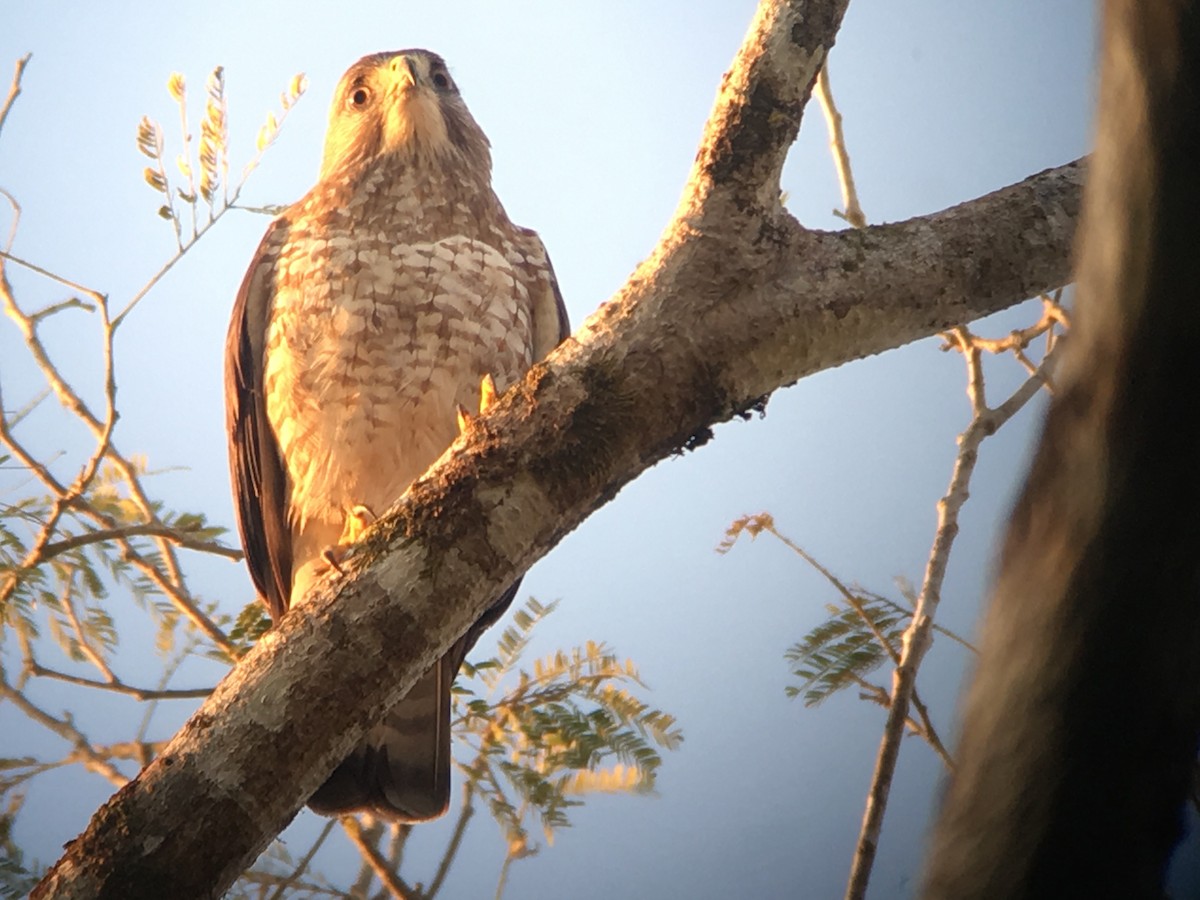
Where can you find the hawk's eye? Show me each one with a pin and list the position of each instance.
(360, 97)
(441, 80)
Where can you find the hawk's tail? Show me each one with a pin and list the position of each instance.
(401, 770)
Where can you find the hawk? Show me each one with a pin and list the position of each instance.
(375, 311)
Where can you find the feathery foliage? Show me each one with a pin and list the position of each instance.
(545, 737)
(843, 650)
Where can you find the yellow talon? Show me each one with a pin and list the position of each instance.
(487, 397)
(358, 520)
(487, 393)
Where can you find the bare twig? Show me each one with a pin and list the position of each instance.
(16, 220)
(281, 889)
(148, 529)
(371, 856)
(53, 276)
(301, 887)
(14, 89)
(83, 750)
(466, 811)
(841, 156)
(168, 673)
(918, 636)
(117, 686)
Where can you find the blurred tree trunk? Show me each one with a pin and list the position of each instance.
(1080, 729)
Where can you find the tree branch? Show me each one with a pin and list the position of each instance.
(149, 529)
(736, 301)
(117, 686)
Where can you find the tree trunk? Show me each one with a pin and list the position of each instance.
(1080, 729)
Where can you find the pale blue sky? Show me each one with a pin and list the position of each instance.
(594, 111)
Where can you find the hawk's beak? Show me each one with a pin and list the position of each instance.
(404, 71)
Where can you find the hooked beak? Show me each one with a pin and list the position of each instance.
(404, 73)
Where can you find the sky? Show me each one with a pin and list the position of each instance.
(594, 112)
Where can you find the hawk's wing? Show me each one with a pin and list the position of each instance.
(550, 324)
(259, 476)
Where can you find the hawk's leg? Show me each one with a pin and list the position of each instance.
(358, 519)
(487, 396)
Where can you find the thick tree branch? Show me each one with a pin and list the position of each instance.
(736, 301)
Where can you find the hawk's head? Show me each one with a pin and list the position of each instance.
(402, 103)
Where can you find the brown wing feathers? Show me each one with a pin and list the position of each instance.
(259, 478)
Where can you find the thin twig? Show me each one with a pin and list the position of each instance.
(14, 89)
(186, 141)
(918, 636)
(466, 811)
(117, 686)
(93, 656)
(390, 880)
(169, 577)
(906, 612)
(83, 753)
(841, 156)
(147, 529)
(53, 276)
(168, 673)
(765, 522)
(16, 220)
(182, 600)
(930, 733)
(281, 889)
(302, 887)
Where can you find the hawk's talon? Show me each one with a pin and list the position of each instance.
(358, 520)
(487, 398)
(334, 556)
(487, 393)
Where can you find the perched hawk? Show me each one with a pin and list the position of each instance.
(372, 313)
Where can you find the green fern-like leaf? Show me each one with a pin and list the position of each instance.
(844, 649)
(566, 725)
(251, 624)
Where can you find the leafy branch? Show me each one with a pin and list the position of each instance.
(78, 526)
(864, 629)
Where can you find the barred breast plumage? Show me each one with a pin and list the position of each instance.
(375, 338)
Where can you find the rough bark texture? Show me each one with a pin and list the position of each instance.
(737, 300)
(1080, 729)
